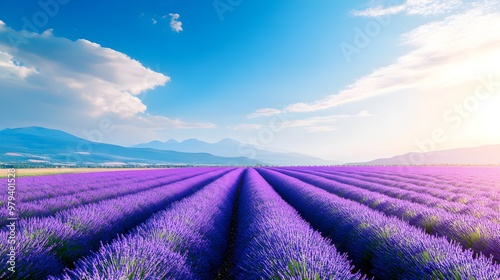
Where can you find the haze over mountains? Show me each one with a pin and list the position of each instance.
(232, 148)
(37, 145)
(484, 155)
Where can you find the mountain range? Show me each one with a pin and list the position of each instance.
(232, 148)
(38, 145)
(42, 146)
(484, 155)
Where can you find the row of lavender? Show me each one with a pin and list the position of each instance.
(477, 203)
(274, 242)
(45, 195)
(471, 180)
(382, 246)
(181, 242)
(475, 192)
(47, 244)
(480, 234)
(184, 241)
(91, 193)
(463, 195)
(262, 240)
(189, 239)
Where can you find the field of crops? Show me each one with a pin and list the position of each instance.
(262, 223)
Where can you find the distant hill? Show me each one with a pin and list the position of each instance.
(42, 145)
(232, 148)
(485, 155)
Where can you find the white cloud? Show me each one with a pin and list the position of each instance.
(446, 52)
(60, 83)
(154, 21)
(364, 114)
(2, 24)
(13, 154)
(380, 11)
(246, 126)
(106, 79)
(313, 124)
(48, 32)
(175, 24)
(266, 112)
(320, 129)
(11, 68)
(412, 7)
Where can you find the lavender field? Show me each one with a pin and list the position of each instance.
(257, 223)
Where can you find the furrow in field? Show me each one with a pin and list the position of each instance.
(481, 178)
(185, 241)
(455, 185)
(471, 199)
(47, 245)
(51, 206)
(480, 235)
(417, 197)
(274, 242)
(386, 246)
(58, 185)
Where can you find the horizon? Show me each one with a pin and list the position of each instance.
(163, 142)
(408, 159)
(351, 81)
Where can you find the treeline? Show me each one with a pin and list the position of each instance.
(45, 165)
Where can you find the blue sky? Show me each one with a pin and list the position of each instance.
(343, 80)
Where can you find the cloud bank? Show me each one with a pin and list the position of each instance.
(55, 82)
(412, 7)
(451, 51)
(312, 124)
